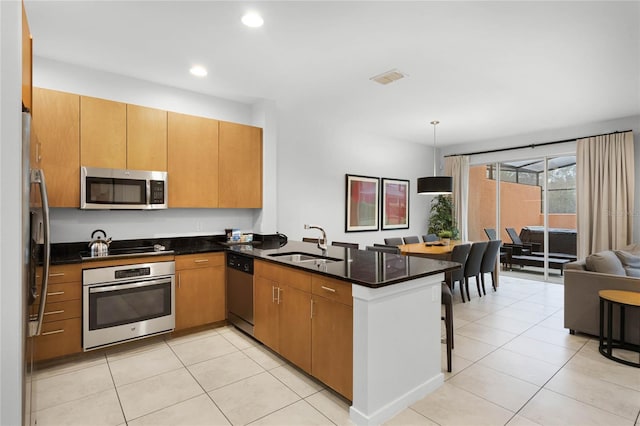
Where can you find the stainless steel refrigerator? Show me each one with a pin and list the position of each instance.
(36, 255)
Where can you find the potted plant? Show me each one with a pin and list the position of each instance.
(441, 221)
(445, 237)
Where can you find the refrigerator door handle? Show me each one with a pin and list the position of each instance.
(37, 177)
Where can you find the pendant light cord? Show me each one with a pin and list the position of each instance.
(434, 123)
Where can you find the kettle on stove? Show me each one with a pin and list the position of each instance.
(98, 246)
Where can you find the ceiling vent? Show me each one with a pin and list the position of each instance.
(388, 77)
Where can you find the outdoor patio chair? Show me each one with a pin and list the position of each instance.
(491, 233)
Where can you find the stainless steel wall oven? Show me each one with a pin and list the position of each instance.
(121, 303)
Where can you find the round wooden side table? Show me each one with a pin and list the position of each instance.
(623, 299)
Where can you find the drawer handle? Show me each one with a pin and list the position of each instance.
(55, 293)
(332, 290)
(201, 260)
(54, 312)
(46, 333)
(58, 274)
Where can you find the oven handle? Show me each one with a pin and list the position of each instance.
(116, 287)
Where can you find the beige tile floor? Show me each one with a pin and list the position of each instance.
(513, 364)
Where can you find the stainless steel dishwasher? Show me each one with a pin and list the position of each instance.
(240, 291)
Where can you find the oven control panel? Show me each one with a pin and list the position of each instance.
(134, 272)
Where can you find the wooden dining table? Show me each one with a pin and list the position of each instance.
(433, 251)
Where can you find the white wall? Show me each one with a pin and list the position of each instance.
(550, 135)
(313, 158)
(69, 225)
(11, 326)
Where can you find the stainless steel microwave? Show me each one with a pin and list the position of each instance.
(118, 189)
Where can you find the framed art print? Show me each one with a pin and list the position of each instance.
(362, 209)
(395, 204)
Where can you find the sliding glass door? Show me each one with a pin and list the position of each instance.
(531, 204)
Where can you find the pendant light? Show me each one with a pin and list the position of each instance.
(435, 184)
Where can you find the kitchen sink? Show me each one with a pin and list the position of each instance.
(299, 257)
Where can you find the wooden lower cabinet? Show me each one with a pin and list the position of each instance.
(62, 324)
(308, 319)
(332, 345)
(295, 326)
(200, 289)
(266, 311)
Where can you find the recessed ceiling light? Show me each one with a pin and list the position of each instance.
(198, 71)
(252, 20)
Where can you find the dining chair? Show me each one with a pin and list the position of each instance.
(395, 241)
(488, 264)
(458, 254)
(384, 249)
(447, 301)
(347, 245)
(472, 266)
(429, 238)
(411, 239)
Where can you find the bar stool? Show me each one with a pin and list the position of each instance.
(447, 301)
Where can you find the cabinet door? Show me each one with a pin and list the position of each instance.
(55, 144)
(332, 343)
(146, 138)
(295, 326)
(192, 161)
(103, 133)
(200, 295)
(266, 312)
(240, 166)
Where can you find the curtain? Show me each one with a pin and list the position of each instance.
(458, 167)
(605, 188)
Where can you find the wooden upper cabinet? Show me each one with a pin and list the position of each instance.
(240, 166)
(55, 144)
(192, 161)
(146, 138)
(27, 62)
(103, 133)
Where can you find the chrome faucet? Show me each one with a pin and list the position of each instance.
(322, 244)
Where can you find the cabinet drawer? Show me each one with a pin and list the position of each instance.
(294, 278)
(267, 270)
(202, 260)
(62, 292)
(59, 338)
(61, 273)
(57, 311)
(338, 291)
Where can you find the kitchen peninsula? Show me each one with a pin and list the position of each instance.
(396, 320)
(367, 324)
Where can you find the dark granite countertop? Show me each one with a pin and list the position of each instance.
(62, 253)
(367, 268)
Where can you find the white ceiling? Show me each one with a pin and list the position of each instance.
(484, 69)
